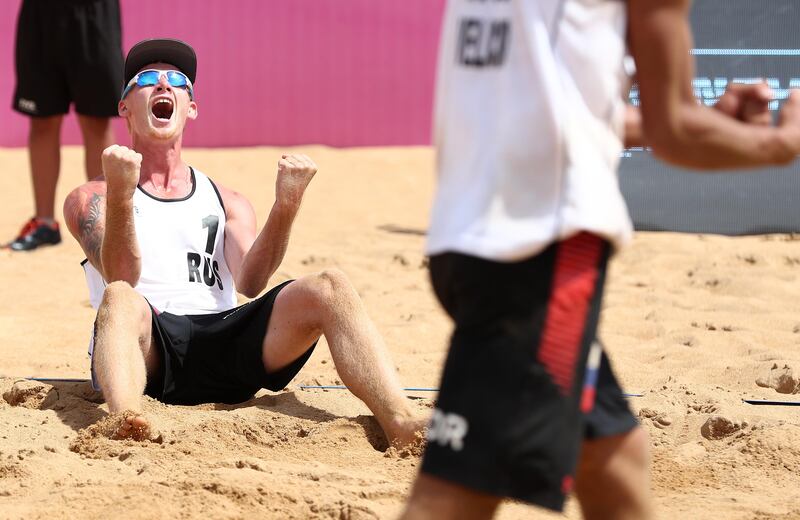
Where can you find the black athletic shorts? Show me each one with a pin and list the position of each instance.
(516, 397)
(217, 358)
(68, 51)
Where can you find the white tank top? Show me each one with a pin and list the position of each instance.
(181, 243)
(528, 126)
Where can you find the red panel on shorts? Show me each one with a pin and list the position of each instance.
(574, 279)
(587, 398)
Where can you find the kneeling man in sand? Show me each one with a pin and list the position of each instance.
(167, 251)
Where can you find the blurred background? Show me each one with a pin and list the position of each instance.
(735, 41)
(281, 72)
(361, 73)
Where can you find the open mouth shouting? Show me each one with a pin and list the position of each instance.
(162, 109)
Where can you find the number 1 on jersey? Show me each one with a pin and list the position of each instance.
(212, 223)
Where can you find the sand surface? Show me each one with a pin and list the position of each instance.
(692, 322)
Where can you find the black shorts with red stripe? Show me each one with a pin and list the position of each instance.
(525, 381)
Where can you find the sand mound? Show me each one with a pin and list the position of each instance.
(31, 394)
(782, 380)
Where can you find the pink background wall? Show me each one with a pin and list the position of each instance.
(282, 72)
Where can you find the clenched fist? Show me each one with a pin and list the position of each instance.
(295, 171)
(748, 103)
(121, 168)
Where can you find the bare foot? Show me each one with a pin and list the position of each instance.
(407, 433)
(132, 425)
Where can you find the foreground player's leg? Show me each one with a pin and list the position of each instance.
(326, 303)
(124, 354)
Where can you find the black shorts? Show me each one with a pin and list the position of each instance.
(68, 51)
(516, 398)
(217, 358)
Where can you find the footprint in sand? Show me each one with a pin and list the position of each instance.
(313, 260)
(400, 259)
(687, 341)
(659, 419)
(718, 427)
(704, 407)
(748, 259)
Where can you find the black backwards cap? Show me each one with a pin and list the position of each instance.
(161, 50)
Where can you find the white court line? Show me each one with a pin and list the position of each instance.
(745, 52)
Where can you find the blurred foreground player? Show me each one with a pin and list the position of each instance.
(530, 122)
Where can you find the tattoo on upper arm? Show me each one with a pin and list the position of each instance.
(91, 224)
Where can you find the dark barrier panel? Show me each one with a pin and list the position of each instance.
(735, 40)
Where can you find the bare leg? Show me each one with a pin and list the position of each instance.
(44, 151)
(620, 463)
(98, 134)
(436, 499)
(328, 304)
(124, 353)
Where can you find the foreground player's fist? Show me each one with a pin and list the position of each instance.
(295, 171)
(121, 168)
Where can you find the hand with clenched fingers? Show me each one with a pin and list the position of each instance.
(121, 167)
(295, 172)
(749, 103)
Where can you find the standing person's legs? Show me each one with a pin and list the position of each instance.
(98, 134)
(124, 353)
(44, 151)
(41, 93)
(326, 303)
(95, 75)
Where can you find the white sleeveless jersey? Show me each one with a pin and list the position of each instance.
(528, 125)
(181, 243)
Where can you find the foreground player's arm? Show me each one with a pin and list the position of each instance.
(99, 215)
(119, 252)
(748, 103)
(678, 128)
(85, 215)
(253, 261)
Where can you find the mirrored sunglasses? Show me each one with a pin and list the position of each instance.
(151, 77)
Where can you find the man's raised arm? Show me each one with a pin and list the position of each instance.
(120, 252)
(678, 128)
(252, 263)
(100, 217)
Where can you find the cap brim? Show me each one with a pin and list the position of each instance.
(163, 50)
